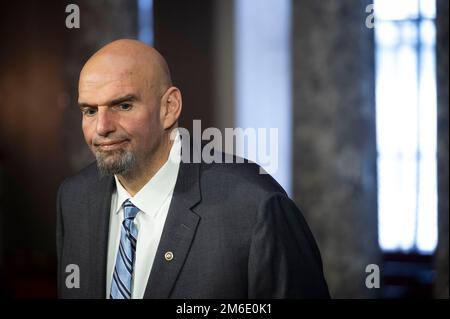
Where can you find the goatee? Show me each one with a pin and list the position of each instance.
(117, 162)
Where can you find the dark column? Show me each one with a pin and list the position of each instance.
(441, 289)
(334, 138)
(184, 34)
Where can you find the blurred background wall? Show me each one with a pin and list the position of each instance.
(331, 123)
(31, 151)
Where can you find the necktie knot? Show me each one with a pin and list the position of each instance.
(130, 211)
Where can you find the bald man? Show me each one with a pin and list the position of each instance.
(141, 223)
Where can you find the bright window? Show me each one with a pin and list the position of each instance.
(406, 110)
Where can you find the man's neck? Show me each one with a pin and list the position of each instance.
(135, 180)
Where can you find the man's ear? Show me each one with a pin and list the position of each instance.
(171, 104)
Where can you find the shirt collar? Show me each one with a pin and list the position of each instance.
(153, 194)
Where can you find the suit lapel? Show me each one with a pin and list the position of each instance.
(178, 233)
(99, 211)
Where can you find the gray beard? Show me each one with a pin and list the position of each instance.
(120, 162)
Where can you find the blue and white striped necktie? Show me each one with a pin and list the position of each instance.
(121, 286)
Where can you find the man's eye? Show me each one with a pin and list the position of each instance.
(89, 111)
(125, 106)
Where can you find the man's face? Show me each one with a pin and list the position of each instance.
(120, 117)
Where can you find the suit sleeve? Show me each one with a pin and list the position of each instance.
(59, 237)
(284, 260)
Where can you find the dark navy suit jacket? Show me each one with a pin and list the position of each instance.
(234, 233)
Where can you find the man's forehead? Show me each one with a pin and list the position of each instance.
(103, 92)
(109, 75)
(105, 76)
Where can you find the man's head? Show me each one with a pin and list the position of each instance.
(128, 105)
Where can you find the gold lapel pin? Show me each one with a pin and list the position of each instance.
(168, 256)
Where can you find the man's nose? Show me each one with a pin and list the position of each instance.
(105, 122)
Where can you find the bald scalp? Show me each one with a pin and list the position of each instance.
(130, 57)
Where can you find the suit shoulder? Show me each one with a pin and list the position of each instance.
(84, 177)
(240, 175)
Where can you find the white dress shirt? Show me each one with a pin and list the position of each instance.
(153, 202)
